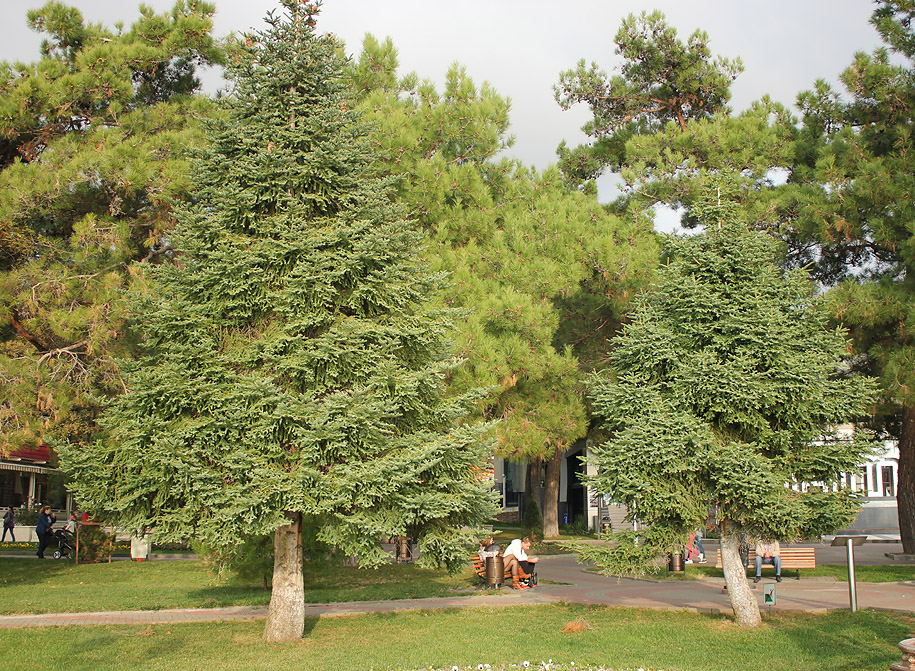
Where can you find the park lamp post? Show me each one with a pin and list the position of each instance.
(849, 541)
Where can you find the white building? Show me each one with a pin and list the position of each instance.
(876, 481)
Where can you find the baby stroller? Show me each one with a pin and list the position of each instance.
(66, 543)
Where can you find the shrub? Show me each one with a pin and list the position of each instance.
(95, 543)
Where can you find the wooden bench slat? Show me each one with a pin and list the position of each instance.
(792, 558)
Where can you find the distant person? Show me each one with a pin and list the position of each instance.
(518, 563)
(9, 523)
(694, 555)
(46, 520)
(489, 548)
(689, 549)
(768, 552)
(71, 524)
(698, 545)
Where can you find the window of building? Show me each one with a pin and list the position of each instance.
(887, 473)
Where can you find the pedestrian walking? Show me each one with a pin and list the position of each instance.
(46, 520)
(9, 523)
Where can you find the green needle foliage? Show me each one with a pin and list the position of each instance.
(721, 391)
(92, 142)
(851, 204)
(544, 272)
(294, 359)
(663, 81)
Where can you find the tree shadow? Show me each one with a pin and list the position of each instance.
(845, 641)
(32, 570)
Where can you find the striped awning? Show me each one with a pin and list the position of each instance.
(25, 468)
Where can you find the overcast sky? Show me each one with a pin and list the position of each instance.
(520, 46)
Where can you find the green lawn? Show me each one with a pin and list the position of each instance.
(50, 586)
(620, 638)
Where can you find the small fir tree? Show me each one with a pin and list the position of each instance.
(294, 361)
(720, 392)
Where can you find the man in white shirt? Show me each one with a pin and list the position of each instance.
(517, 561)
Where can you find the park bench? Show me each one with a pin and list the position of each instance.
(479, 567)
(792, 558)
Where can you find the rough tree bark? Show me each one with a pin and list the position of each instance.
(905, 490)
(743, 602)
(551, 495)
(286, 614)
(534, 479)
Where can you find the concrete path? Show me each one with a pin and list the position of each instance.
(566, 581)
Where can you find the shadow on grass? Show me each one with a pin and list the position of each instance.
(845, 641)
(32, 571)
(329, 583)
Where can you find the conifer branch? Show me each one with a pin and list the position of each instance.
(40, 346)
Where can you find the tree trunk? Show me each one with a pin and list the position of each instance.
(535, 489)
(551, 495)
(743, 601)
(286, 615)
(905, 489)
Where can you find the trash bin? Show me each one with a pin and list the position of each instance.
(139, 548)
(495, 570)
(675, 561)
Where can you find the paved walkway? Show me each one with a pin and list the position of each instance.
(566, 581)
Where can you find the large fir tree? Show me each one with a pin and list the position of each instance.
(294, 362)
(721, 391)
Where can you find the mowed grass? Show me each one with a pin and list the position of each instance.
(50, 586)
(619, 638)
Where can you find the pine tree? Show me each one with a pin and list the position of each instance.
(544, 272)
(663, 81)
(294, 360)
(92, 142)
(850, 204)
(720, 391)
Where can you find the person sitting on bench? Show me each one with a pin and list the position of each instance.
(768, 552)
(518, 563)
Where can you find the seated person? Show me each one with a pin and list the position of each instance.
(768, 552)
(518, 563)
(489, 548)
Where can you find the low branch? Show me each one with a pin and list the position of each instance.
(40, 346)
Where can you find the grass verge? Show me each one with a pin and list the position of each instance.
(618, 638)
(58, 586)
(863, 573)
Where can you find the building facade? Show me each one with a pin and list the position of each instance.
(28, 478)
(876, 482)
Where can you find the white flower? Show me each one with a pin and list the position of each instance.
(525, 663)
